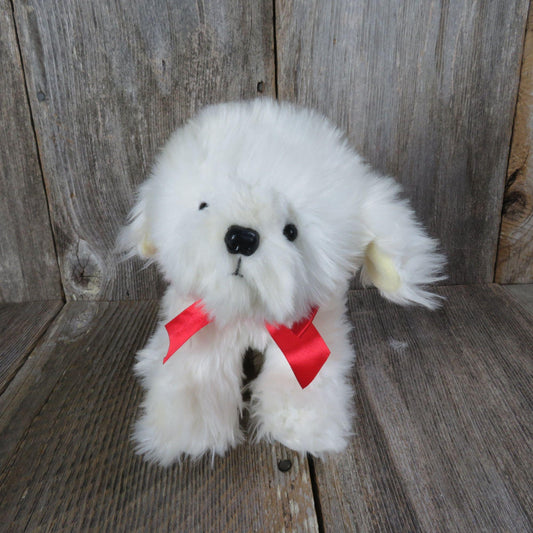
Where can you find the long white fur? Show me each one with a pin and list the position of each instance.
(262, 165)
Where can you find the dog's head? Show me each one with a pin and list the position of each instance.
(261, 210)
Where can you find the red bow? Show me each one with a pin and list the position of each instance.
(302, 345)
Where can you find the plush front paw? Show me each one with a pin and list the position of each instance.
(316, 420)
(181, 423)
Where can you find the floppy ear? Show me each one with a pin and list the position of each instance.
(134, 238)
(400, 259)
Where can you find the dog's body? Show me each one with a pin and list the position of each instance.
(261, 211)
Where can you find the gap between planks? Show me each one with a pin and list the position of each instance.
(21, 327)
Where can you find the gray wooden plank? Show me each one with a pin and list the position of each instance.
(515, 247)
(523, 294)
(444, 434)
(36, 379)
(426, 92)
(108, 82)
(73, 467)
(21, 326)
(28, 265)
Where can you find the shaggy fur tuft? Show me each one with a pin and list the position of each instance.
(263, 166)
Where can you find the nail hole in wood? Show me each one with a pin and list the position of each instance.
(285, 465)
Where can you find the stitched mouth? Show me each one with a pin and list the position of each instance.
(237, 270)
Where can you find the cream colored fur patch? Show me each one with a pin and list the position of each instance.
(381, 269)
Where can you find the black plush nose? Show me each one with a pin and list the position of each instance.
(241, 240)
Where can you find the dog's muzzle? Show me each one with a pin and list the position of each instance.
(239, 240)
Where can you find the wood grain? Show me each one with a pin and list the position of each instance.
(21, 326)
(28, 266)
(444, 434)
(73, 467)
(515, 248)
(523, 294)
(108, 83)
(426, 92)
(36, 379)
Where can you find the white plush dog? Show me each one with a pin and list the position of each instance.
(260, 213)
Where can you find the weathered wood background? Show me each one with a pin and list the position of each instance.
(515, 251)
(28, 266)
(426, 91)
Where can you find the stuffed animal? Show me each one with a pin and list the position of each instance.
(258, 215)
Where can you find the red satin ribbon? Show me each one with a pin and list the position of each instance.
(302, 345)
(184, 326)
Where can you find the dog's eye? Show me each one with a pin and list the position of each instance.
(290, 232)
(203, 205)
